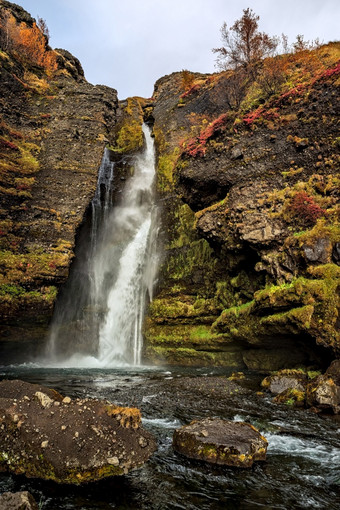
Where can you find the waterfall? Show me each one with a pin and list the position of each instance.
(98, 319)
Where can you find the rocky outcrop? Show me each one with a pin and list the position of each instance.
(17, 501)
(251, 271)
(223, 442)
(54, 126)
(323, 393)
(45, 435)
(305, 388)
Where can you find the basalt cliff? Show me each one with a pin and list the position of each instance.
(248, 186)
(54, 126)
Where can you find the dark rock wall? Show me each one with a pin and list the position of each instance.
(53, 132)
(250, 223)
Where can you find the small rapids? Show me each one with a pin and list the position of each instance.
(302, 470)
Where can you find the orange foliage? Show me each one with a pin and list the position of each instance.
(29, 43)
(187, 79)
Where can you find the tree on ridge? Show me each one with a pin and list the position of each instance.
(243, 44)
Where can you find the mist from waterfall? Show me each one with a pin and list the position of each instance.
(98, 320)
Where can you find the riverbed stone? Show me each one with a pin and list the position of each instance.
(220, 441)
(285, 380)
(323, 393)
(17, 501)
(60, 443)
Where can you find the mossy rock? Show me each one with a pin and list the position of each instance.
(291, 396)
(192, 357)
(217, 441)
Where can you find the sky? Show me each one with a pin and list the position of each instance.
(129, 44)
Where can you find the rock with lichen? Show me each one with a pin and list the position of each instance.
(44, 435)
(17, 501)
(285, 380)
(223, 442)
(323, 392)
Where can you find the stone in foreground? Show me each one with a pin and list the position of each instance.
(44, 435)
(17, 501)
(221, 442)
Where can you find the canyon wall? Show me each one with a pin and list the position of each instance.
(247, 184)
(54, 126)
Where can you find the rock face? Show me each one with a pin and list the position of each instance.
(221, 442)
(45, 435)
(17, 501)
(251, 273)
(54, 126)
(247, 184)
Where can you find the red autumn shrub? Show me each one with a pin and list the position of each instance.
(197, 146)
(192, 89)
(304, 207)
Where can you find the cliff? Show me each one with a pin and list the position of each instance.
(248, 178)
(247, 183)
(53, 129)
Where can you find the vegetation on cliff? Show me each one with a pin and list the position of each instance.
(53, 128)
(257, 156)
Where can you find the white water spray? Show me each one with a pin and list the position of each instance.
(121, 269)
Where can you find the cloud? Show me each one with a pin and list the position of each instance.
(129, 44)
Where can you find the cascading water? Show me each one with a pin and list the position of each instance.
(98, 321)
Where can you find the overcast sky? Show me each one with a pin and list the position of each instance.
(129, 44)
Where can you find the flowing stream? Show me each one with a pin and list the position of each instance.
(98, 320)
(302, 470)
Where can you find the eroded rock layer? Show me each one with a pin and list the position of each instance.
(53, 129)
(249, 191)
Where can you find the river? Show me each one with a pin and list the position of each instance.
(302, 470)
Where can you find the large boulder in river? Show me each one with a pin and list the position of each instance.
(44, 435)
(17, 501)
(221, 442)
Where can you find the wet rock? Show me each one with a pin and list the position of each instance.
(76, 441)
(336, 253)
(285, 380)
(323, 392)
(221, 442)
(17, 501)
(320, 251)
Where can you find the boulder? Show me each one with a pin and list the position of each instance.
(320, 251)
(323, 393)
(44, 435)
(285, 380)
(334, 371)
(221, 442)
(17, 501)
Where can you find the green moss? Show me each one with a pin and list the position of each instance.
(183, 232)
(174, 308)
(165, 170)
(291, 397)
(308, 306)
(198, 255)
(130, 137)
(193, 357)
